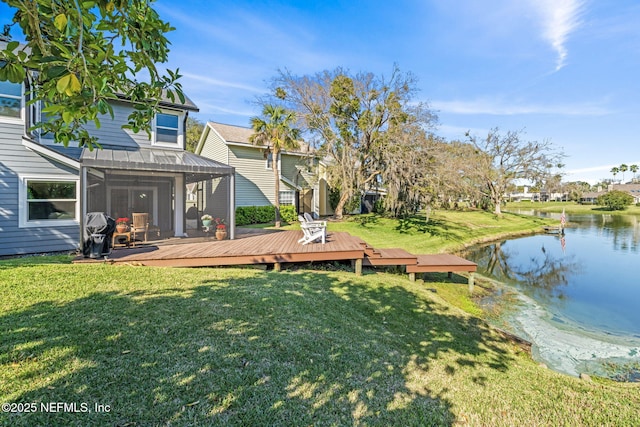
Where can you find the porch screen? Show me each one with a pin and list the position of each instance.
(51, 200)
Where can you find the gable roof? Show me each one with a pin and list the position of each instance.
(239, 135)
(232, 133)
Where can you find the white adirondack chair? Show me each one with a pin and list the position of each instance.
(312, 231)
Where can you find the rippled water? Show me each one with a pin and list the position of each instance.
(580, 291)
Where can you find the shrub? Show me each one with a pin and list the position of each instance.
(615, 200)
(246, 215)
(288, 213)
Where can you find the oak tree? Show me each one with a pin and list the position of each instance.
(350, 115)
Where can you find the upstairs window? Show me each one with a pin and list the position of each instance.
(168, 129)
(10, 100)
(39, 116)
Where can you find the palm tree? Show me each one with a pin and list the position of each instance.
(615, 171)
(633, 169)
(623, 168)
(275, 131)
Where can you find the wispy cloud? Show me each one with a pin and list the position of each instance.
(222, 83)
(499, 108)
(559, 18)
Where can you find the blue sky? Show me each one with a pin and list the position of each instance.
(567, 71)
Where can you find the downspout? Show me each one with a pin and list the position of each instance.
(83, 204)
(184, 131)
(232, 205)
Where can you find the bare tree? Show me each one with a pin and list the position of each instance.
(507, 158)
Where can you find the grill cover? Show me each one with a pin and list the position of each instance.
(97, 234)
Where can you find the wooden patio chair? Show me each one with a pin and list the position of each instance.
(312, 231)
(140, 224)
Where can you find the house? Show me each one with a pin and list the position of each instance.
(302, 181)
(632, 189)
(592, 197)
(47, 189)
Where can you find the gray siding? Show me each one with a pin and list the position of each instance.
(111, 132)
(15, 161)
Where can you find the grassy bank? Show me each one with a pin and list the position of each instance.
(446, 231)
(570, 208)
(242, 347)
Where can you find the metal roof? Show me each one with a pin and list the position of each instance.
(152, 159)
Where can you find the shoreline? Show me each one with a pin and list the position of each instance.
(565, 346)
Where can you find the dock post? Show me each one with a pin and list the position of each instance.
(412, 277)
(471, 281)
(277, 266)
(358, 266)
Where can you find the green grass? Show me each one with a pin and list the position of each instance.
(446, 231)
(570, 208)
(244, 347)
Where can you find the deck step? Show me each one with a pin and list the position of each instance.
(394, 256)
(441, 263)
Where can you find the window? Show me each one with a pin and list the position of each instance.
(48, 202)
(287, 197)
(10, 100)
(168, 129)
(38, 116)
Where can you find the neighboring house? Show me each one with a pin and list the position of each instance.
(632, 189)
(46, 189)
(592, 197)
(536, 196)
(302, 181)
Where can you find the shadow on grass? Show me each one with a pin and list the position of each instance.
(263, 349)
(434, 227)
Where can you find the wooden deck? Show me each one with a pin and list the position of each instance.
(281, 247)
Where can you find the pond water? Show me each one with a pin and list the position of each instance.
(579, 293)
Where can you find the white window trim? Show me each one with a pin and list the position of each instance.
(180, 141)
(15, 120)
(23, 209)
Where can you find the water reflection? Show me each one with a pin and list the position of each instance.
(581, 293)
(622, 230)
(542, 274)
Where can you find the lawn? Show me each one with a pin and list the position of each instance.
(128, 345)
(570, 208)
(241, 347)
(446, 231)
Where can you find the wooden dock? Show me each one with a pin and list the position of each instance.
(281, 247)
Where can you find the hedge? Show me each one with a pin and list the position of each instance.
(246, 215)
